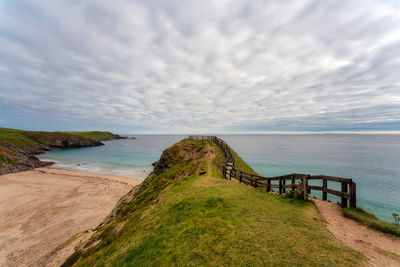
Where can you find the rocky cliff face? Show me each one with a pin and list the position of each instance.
(23, 158)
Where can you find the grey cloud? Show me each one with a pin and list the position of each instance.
(157, 65)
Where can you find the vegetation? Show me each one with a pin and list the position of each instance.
(396, 218)
(242, 165)
(13, 142)
(186, 214)
(370, 220)
(16, 137)
(95, 135)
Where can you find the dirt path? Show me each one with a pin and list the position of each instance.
(42, 208)
(379, 249)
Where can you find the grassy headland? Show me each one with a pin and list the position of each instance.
(186, 214)
(96, 135)
(17, 147)
(370, 220)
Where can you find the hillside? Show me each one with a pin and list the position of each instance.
(18, 147)
(185, 213)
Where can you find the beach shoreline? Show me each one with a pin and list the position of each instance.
(44, 207)
(90, 168)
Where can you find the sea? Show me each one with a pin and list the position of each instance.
(372, 161)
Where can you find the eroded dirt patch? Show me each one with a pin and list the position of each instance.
(380, 249)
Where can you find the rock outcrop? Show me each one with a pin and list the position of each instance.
(22, 157)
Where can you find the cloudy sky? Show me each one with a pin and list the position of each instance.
(157, 66)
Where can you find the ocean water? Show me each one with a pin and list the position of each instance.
(125, 157)
(372, 161)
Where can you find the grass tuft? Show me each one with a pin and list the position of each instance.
(370, 220)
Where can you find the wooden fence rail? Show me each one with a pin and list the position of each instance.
(301, 183)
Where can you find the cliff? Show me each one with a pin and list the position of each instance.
(18, 148)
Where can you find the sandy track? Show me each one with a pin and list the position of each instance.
(378, 248)
(43, 208)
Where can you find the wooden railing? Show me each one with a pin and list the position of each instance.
(300, 183)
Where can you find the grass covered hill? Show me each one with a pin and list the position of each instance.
(185, 213)
(18, 147)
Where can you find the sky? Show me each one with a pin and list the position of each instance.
(200, 66)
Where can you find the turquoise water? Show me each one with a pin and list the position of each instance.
(126, 157)
(372, 161)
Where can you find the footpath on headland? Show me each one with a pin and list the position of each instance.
(380, 249)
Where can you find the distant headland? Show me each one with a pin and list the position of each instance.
(18, 148)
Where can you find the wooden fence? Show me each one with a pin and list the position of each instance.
(300, 183)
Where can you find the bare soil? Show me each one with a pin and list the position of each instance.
(379, 249)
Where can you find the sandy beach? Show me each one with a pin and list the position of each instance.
(42, 208)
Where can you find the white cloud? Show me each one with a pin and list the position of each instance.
(271, 65)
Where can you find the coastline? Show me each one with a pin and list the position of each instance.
(42, 208)
(19, 149)
(98, 169)
(138, 176)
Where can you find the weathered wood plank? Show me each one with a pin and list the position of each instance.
(305, 188)
(353, 195)
(293, 184)
(337, 193)
(324, 187)
(331, 178)
(344, 200)
(313, 187)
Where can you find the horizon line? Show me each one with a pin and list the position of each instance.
(204, 132)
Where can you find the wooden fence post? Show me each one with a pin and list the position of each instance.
(353, 201)
(283, 185)
(230, 173)
(324, 187)
(255, 183)
(293, 184)
(305, 188)
(240, 177)
(344, 200)
(280, 186)
(268, 185)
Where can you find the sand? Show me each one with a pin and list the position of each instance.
(379, 249)
(43, 208)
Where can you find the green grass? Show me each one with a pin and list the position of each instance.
(11, 140)
(370, 220)
(242, 165)
(96, 135)
(16, 137)
(183, 218)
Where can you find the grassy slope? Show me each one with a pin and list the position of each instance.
(23, 139)
(241, 164)
(370, 220)
(182, 218)
(96, 135)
